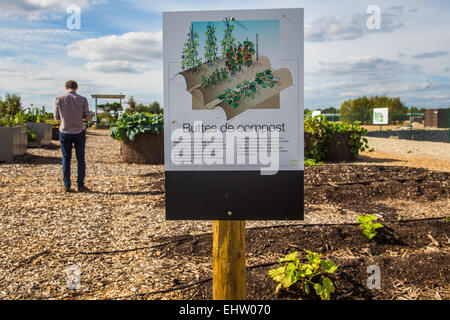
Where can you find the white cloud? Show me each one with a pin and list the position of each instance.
(351, 27)
(38, 9)
(116, 66)
(368, 67)
(132, 46)
(433, 54)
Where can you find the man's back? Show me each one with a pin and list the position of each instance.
(71, 109)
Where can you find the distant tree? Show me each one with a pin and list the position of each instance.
(210, 44)
(153, 108)
(361, 109)
(329, 110)
(131, 105)
(190, 53)
(11, 105)
(111, 111)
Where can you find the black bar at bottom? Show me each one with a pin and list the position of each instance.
(234, 195)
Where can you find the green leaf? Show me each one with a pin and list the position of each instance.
(292, 257)
(328, 266)
(307, 291)
(325, 289)
(277, 274)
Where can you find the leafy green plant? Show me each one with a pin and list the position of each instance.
(31, 136)
(369, 228)
(130, 126)
(310, 274)
(311, 162)
(324, 132)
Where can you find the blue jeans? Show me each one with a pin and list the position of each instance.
(79, 141)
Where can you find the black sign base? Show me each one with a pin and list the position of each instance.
(234, 195)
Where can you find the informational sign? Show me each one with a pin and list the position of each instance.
(380, 115)
(233, 110)
(316, 113)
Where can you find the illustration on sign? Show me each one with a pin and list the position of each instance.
(239, 79)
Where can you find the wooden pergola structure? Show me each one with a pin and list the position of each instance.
(106, 96)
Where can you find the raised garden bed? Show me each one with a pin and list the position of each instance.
(43, 131)
(13, 142)
(141, 136)
(340, 150)
(147, 148)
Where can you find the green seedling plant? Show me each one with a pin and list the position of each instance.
(369, 228)
(310, 274)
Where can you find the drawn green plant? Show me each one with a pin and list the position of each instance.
(369, 228)
(238, 56)
(228, 38)
(310, 274)
(210, 43)
(217, 76)
(189, 56)
(248, 88)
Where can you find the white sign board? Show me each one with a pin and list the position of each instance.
(316, 113)
(380, 115)
(233, 90)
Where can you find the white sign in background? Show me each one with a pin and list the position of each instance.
(380, 115)
(178, 111)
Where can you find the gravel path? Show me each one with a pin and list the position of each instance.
(411, 148)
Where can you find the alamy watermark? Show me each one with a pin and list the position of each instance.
(73, 277)
(374, 20)
(73, 22)
(374, 280)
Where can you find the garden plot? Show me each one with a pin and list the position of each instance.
(119, 238)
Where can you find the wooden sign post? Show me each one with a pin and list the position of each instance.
(229, 270)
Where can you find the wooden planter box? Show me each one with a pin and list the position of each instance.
(147, 148)
(43, 131)
(13, 142)
(55, 133)
(340, 150)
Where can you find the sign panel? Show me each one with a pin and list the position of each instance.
(380, 115)
(233, 108)
(316, 113)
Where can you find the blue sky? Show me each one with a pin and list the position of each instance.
(118, 48)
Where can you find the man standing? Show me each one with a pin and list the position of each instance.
(71, 109)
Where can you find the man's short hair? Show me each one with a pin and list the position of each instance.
(71, 85)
